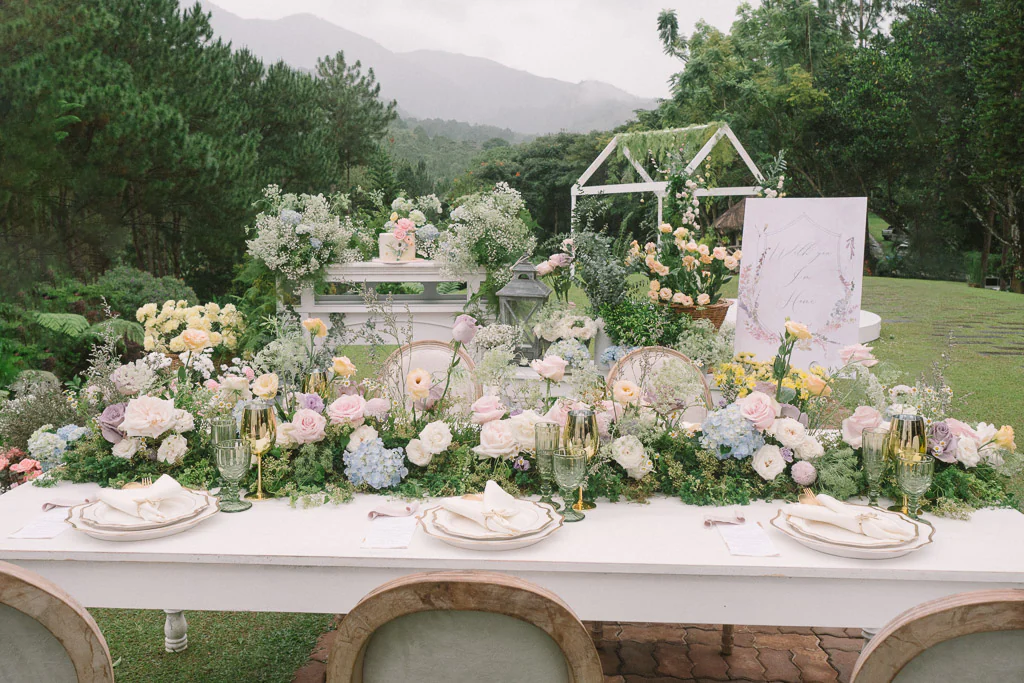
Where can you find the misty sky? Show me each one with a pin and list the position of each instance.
(615, 41)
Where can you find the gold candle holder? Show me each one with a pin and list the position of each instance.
(259, 430)
(581, 435)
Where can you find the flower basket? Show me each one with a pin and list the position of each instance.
(713, 312)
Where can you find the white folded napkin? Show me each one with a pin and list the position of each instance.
(393, 509)
(855, 518)
(494, 511)
(143, 502)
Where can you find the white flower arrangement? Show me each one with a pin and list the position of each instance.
(299, 236)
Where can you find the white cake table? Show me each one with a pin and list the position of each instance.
(625, 562)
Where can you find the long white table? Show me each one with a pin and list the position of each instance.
(625, 562)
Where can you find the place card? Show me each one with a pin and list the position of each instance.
(749, 540)
(50, 524)
(390, 533)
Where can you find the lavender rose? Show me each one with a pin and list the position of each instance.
(943, 442)
(464, 329)
(109, 421)
(310, 402)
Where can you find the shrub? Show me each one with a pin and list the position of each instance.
(643, 323)
(127, 289)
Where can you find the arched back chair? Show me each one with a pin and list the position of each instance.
(647, 365)
(45, 635)
(434, 357)
(462, 627)
(976, 637)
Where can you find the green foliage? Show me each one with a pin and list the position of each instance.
(643, 323)
(127, 289)
(840, 474)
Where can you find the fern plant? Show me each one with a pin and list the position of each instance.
(78, 327)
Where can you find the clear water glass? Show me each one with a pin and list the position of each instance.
(873, 453)
(223, 428)
(233, 462)
(914, 474)
(570, 471)
(547, 436)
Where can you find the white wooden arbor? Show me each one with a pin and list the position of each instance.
(660, 188)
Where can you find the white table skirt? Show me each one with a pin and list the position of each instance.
(625, 562)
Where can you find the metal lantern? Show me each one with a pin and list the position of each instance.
(519, 301)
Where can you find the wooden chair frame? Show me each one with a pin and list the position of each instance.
(396, 357)
(934, 622)
(61, 615)
(613, 374)
(462, 591)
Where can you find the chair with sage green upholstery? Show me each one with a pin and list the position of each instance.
(462, 627)
(976, 637)
(45, 635)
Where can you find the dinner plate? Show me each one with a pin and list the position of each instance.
(924, 537)
(829, 533)
(426, 521)
(184, 506)
(74, 518)
(531, 518)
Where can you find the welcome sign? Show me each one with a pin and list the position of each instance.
(803, 260)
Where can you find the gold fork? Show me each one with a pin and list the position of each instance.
(146, 481)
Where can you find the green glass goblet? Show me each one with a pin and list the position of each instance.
(873, 453)
(570, 470)
(233, 462)
(223, 428)
(547, 436)
(914, 475)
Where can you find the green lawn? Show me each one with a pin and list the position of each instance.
(981, 331)
(876, 224)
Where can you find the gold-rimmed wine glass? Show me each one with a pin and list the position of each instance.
(259, 430)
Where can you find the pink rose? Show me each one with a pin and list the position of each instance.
(349, 409)
(249, 373)
(26, 465)
(858, 353)
(487, 409)
(559, 412)
(961, 430)
(865, 417)
(148, 416)
(212, 384)
(307, 426)
(703, 300)
(399, 234)
(761, 409)
(609, 412)
(464, 329)
(551, 368)
(544, 268)
(559, 260)
(406, 225)
(376, 407)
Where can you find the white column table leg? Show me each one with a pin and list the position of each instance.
(175, 631)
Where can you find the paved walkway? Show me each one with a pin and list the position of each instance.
(677, 653)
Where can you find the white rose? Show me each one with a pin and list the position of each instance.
(788, 431)
(523, 429)
(359, 435)
(967, 452)
(148, 416)
(172, 450)
(496, 441)
(768, 462)
(235, 388)
(125, 448)
(418, 453)
(808, 449)
(183, 421)
(436, 437)
(629, 452)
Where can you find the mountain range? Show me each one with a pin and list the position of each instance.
(431, 84)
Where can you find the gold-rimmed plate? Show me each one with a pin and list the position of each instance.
(536, 515)
(186, 505)
(427, 524)
(829, 533)
(925, 536)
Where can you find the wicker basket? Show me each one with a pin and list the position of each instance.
(715, 312)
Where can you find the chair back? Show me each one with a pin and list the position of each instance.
(665, 377)
(462, 627)
(45, 635)
(976, 637)
(434, 357)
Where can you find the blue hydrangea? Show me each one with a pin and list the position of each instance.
(71, 433)
(289, 216)
(614, 353)
(374, 465)
(316, 244)
(572, 351)
(726, 433)
(427, 234)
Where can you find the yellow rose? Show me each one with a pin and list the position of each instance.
(394, 216)
(665, 228)
(1004, 438)
(265, 386)
(230, 340)
(228, 308)
(817, 386)
(181, 304)
(212, 308)
(149, 343)
(625, 391)
(315, 326)
(216, 339)
(177, 345)
(147, 311)
(417, 384)
(343, 367)
(195, 340)
(797, 330)
(170, 326)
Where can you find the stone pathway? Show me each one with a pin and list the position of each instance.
(677, 653)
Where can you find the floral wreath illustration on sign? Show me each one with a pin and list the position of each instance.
(750, 292)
